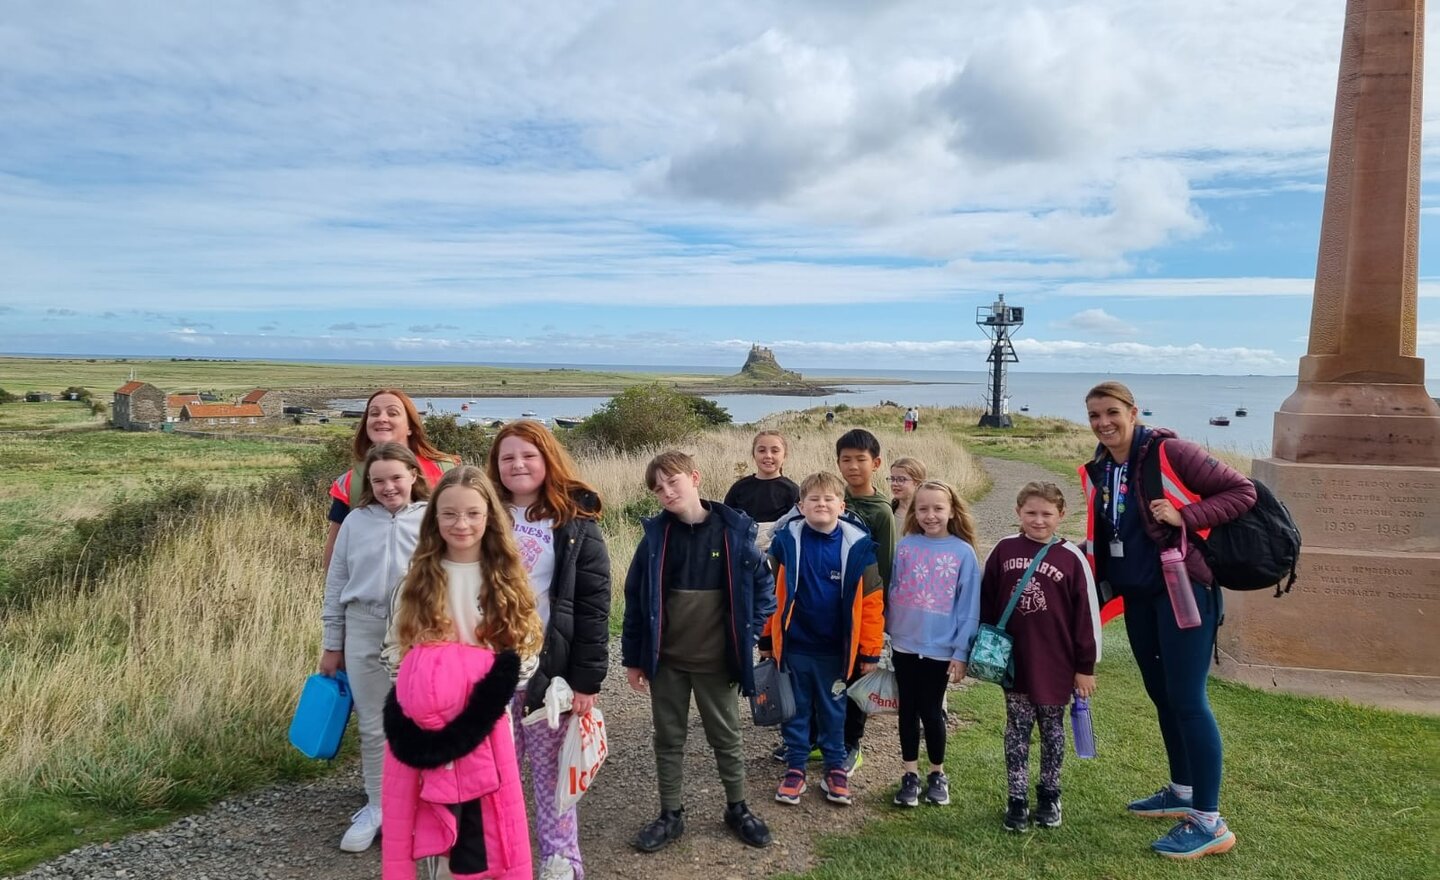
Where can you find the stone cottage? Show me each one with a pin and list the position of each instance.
(269, 401)
(176, 402)
(138, 406)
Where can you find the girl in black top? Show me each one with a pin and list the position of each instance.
(767, 494)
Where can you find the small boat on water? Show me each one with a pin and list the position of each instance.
(1220, 421)
(567, 421)
(1241, 411)
(1147, 412)
(1025, 408)
(529, 414)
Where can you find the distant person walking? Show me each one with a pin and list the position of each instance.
(390, 417)
(554, 515)
(1125, 532)
(912, 419)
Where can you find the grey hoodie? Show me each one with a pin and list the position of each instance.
(372, 554)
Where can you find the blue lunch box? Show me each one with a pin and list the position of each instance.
(321, 716)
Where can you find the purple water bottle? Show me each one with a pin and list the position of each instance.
(1081, 730)
(1177, 582)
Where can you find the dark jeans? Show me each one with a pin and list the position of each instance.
(1175, 666)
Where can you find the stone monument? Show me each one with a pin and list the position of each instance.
(1356, 455)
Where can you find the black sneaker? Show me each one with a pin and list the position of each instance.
(1017, 817)
(937, 789)
(909, 793)
(1047, 810)
(668, 826)
(750, 828)
(781, 754)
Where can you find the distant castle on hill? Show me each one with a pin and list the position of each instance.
(761, 364)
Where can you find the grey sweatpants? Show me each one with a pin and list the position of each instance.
(717, 698)
(369, 684)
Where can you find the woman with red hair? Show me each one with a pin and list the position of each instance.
(554, 514)
(390, 417)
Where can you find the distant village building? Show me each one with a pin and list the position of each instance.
(216, 415)
(138, 406)
(176, 402)
(270, 401)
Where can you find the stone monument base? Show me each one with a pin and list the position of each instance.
(1361, 622)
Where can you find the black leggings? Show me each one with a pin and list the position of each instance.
(922, 702)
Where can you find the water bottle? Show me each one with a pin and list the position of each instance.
(1177, 582)
(1081, 730)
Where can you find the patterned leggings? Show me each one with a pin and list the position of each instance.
(1020, 715)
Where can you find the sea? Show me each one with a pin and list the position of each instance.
(1183, 402)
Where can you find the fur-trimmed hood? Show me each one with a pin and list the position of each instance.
(433, 715)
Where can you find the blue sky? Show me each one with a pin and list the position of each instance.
(667, 182)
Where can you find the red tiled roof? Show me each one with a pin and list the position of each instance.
(130, 387)
(178, 400)
(221, 411)
(254, 396)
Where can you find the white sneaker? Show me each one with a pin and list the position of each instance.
(364, 825)
(557, 868)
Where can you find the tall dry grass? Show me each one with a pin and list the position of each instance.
(172, 679)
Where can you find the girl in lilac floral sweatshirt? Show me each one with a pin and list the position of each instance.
(932, 615)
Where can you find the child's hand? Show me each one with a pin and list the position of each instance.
(867, 668)
(582, 703)
(331, 662)
(1084, 684)
(957, 671)
(637, 680)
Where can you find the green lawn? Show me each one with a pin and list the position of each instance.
(62, 465)
(1313, 789)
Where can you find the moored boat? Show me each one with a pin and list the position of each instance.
(1241, 411)
(567, 421)
(1220, 421)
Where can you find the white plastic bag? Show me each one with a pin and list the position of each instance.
(558, 700)
(876, 692)
(581, 755)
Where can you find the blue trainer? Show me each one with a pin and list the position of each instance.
(1190, 839)
(1163, 804)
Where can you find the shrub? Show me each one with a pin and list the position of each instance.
(641, 417)
(470, 441)
(7, 397)
(708, 411)
(79, 392)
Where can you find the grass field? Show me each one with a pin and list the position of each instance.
(62, 465)
(1312, 789)
(231, 378)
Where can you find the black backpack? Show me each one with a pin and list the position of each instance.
(1257, 551)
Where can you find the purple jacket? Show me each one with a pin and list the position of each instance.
(1224, 492)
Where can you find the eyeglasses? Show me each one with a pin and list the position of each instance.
(450, 518)
(899, 479)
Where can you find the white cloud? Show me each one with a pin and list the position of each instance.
(1100, 323)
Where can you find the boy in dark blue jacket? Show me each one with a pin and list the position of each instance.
(697, 594)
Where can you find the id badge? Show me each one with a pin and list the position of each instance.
(1117, 549)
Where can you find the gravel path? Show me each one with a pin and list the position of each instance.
(291, 831)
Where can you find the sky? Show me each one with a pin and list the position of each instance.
(597, 182)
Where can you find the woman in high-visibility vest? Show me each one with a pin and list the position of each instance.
(1125, 532)
(390, 416)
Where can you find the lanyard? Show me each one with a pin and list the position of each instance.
(1116, 487)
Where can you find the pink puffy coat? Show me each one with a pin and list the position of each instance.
(445, 746)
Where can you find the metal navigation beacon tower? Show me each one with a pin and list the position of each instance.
(999, 321)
